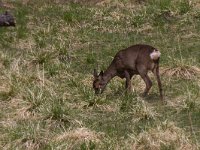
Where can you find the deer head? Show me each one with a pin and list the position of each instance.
(99, 82)
(7, 19)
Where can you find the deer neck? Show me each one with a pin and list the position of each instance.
(109, 73)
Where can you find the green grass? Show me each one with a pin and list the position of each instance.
(47, 62)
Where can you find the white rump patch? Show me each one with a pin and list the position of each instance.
(155, 55)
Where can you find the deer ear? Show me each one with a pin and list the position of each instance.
(95, 73)
(101, 73)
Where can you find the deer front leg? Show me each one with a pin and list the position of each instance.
(128, 81)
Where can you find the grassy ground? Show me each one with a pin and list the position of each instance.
(47, 62)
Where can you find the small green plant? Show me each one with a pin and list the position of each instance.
(76, 14)
(138, 20)
(161, 5)
(41, 57)
(22, 20)
(58, 113)
(90, 146)
(53, 70)
(184, 6)
(35, 96)
(5, 96)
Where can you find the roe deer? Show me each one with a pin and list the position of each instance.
(134, 60)
(6, 20)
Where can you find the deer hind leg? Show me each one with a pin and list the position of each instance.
(148, 84)
(143, 73)
(156, 73)
(128, 81)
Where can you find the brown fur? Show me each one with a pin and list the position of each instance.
(134, 60)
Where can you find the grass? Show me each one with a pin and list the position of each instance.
(47, 62)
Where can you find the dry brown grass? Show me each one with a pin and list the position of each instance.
(184, 72)
(79, 134)
(167, 135)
